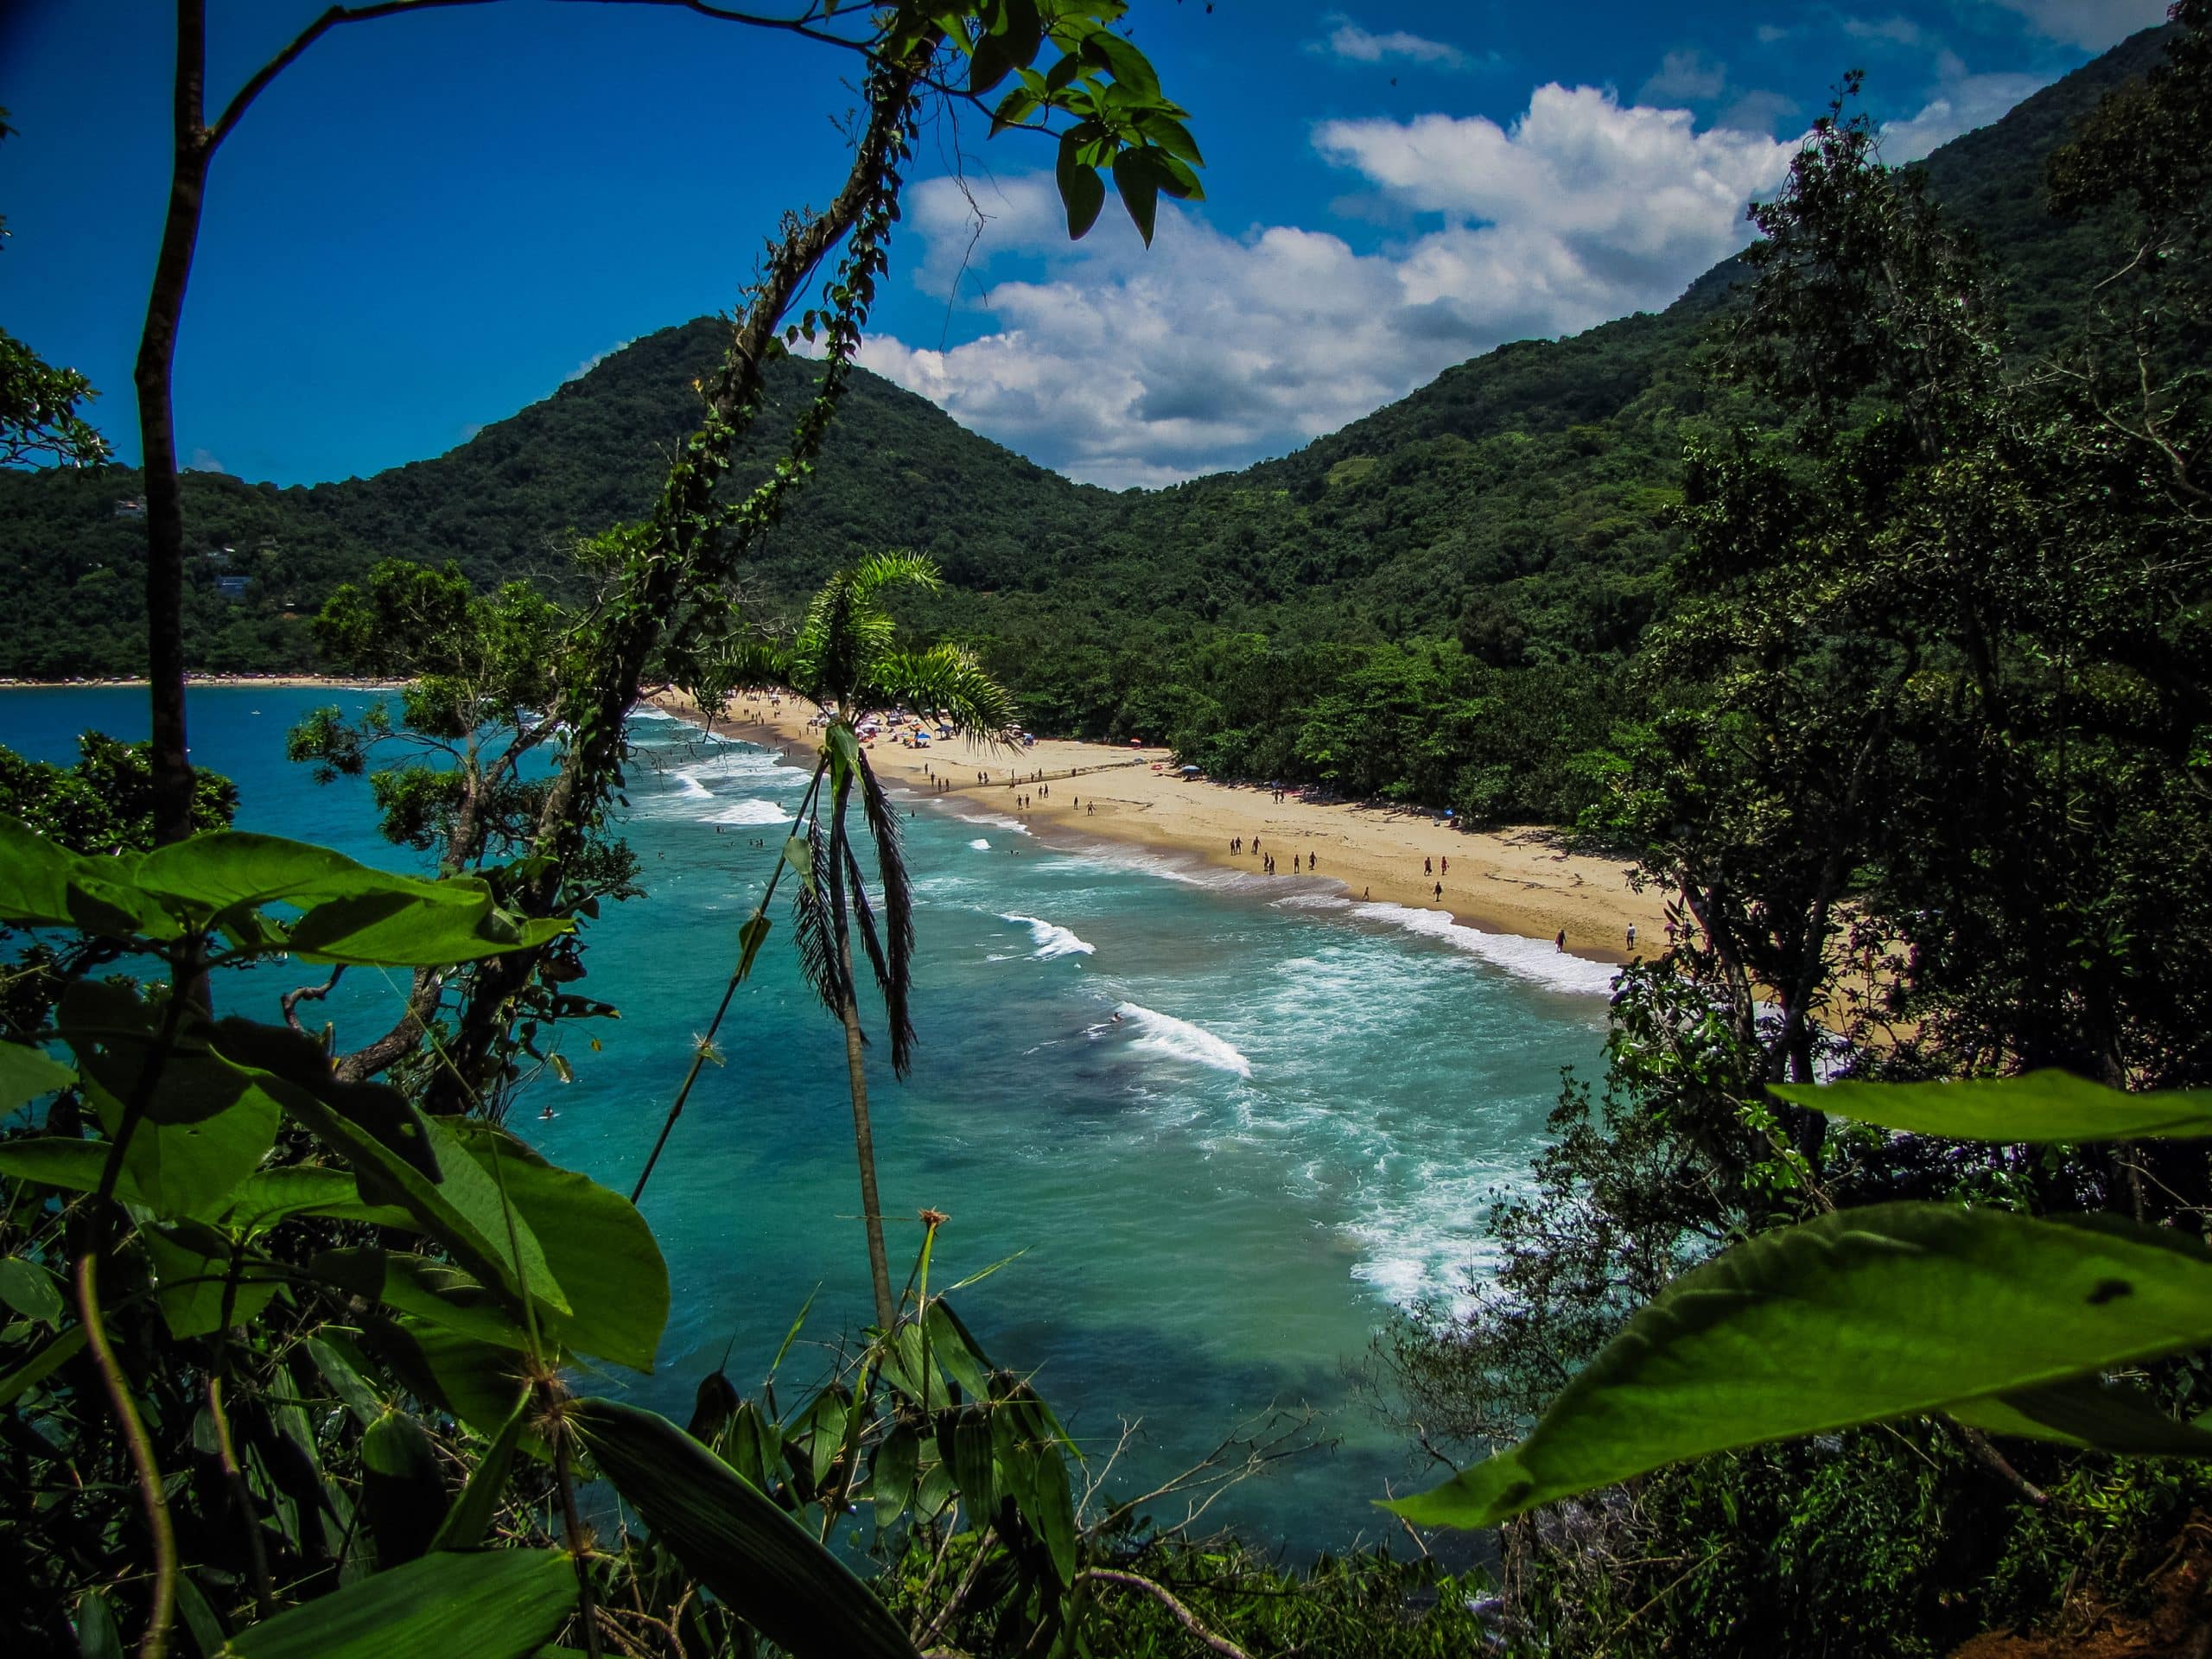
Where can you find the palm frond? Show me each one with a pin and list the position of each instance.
(847, 630)
(757, 665)
(948, 682)
(894, 967)
(896, 569)
(814, 931)
(844, 632)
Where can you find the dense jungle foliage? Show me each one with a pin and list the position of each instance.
(1915, 737)
(1925, 780)
(296, 1333)
(1496, 539)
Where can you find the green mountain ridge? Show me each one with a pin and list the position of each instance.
(1512, 503)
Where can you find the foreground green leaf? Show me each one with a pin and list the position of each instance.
(753, 1555)
(27, 1073)
(43, 884)
(2088, 1413)
(1884, 1311)
(2048, 1105)
(229, 869)
(501, 1603)
(597, 1248)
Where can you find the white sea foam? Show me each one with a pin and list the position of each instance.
(690, 789)
(998, 821)
(649, 711)
(1535, 959)
(1051, 939)
(1313, 901)
(1179, 1039)
(750, 812)
(981, 845)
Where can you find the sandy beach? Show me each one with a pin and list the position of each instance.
(1512, 881)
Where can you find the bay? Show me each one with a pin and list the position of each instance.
(1212, 1200)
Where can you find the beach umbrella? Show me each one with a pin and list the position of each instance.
(1188, 770)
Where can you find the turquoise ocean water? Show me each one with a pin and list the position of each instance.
(1293, 1126)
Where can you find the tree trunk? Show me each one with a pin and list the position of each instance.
(879, 1263)
(171, 760)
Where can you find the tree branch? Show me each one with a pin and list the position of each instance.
(1166, 1597)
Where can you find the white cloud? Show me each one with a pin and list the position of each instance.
(1687, 77)
(1348, 41)
(2093, 24)
(1897, 31)
(1962, 103)
(595, 360)
(1125, 366)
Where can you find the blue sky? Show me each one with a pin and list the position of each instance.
(430, 221)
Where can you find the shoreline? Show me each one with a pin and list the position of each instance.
(1516, 882)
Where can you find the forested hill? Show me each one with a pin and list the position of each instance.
(897, 471)
(1511, 506)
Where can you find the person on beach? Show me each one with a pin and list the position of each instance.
(1428, 867)
(1562, 941)
(1445, 866)
(1439, 891)
(1631, 936)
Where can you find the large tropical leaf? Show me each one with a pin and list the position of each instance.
(2048, 1105)
(400, 1488)
(205, 1283)
(1883, 1311)
(387, 931)
(227, 869)
(598, 1248)
(753, 1555)
(270, 1195)
(43, 884)
(27, 1073)
(500, 1603)
(400, 1158)
(465, 1524)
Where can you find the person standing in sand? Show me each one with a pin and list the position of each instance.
(1561, 940)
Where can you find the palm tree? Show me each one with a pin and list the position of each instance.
(844, 661)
